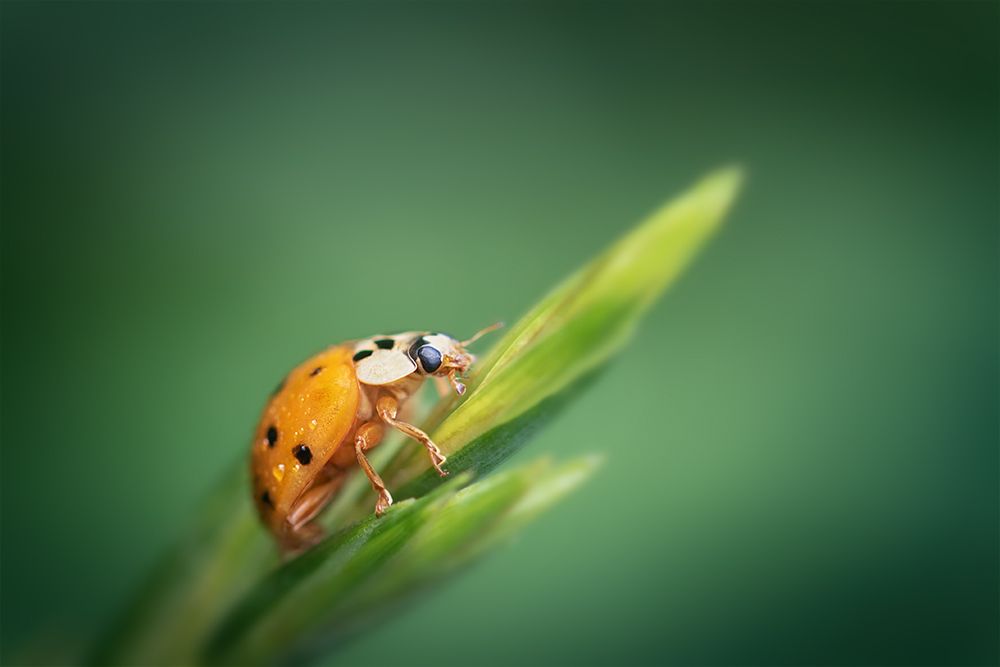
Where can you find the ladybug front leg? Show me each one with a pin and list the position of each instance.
(387, 407)
(369, 435)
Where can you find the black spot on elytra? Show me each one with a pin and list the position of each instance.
(385, 343)
(272, 436)
(303, 454)
(266, 499)
(363, 354)
(316, 371)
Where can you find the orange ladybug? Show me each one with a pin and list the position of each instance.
(333, 408)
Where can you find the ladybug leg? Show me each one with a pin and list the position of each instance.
(369, 435)
(387, 407)
(301, 533)
(314, 499)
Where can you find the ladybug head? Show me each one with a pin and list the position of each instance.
(443, 356)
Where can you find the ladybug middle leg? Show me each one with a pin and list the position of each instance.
(387, 408)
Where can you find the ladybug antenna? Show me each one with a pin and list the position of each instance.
(479, 334)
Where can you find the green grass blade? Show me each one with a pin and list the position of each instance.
(561, 343)
(585, 320)
(314, 603)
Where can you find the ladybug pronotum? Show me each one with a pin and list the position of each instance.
(333, 408)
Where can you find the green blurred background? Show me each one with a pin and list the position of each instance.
(802, 441)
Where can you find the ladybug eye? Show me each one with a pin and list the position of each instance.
(430, 358)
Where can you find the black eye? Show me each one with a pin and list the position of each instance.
(429, 358)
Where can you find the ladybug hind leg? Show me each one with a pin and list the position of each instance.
(300, 531)
(368, 435)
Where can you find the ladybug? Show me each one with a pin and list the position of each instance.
(333, 408)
